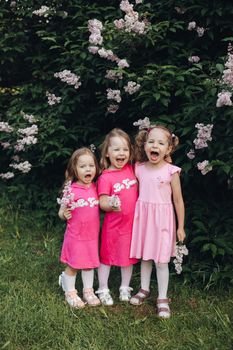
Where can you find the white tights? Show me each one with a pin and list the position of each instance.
(162, 273)
(104, 271)
(68, 281)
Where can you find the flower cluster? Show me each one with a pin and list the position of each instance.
(114, 95)
(142, 123)
(131, 22)
(194, 59)
(52, 99)
(113, 75)
(95, 27)
(42, 12)
(24, 167)
(5, 145)
(224, 99)
(114, 201)
(67, 199)
(193, 26)
(180, 251)
(4, 126)
(132, 87)
(7, 175)
(204, 167)
(29, 117)
(191, 154)
(203, 135)
(68, 77)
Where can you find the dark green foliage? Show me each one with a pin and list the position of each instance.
(173, 91)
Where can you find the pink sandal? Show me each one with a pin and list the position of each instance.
(138, 299)
(90, 297)
(164, 310)
(74, 300)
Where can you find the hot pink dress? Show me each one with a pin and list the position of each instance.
(154, 228)
(117, 226)
(80, 245)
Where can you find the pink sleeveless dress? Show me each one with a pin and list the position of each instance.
(80, 245)
(154, 228)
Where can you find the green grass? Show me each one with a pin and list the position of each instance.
(34, 315)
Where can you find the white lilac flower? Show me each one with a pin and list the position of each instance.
(180, 251)
(114, 201)
(224, 99)
(5, 145)
(24, 167)
(142, 123)
(122, 63)
(42, 12)
(32, 130)
(191, 25)
(4, 126)
(114, 95)
(203, 135)
(191, 154)
(93, 49)
(52, 99)
(7, 175)
(204, 167)
(29, 117)
(132, 87)
(113, 75)
(194, 59)
(68, 77)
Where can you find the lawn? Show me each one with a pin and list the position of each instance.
(34, 315)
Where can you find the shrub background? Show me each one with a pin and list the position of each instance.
(173, 91)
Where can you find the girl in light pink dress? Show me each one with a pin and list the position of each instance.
(80, 207)
(154, 229)
(117, 190)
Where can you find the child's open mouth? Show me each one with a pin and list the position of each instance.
(87, 177)
(120, 161)
(154, 155)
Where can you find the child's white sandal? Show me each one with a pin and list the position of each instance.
(90, 297)
(74, 300)
(162, 308)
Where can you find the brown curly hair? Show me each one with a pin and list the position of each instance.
(104, 160)
(141, 138)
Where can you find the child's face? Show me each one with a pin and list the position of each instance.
(157, 145)
(118, 152)
(86, 169)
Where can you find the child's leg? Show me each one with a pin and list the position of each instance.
(162, 272)
(103, 275)
(125, 290)
(67, 282)
(88, 292)
(144, 291)
(87, 278)
(126, 274)
(103, 291)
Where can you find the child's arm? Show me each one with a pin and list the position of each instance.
(105, 204)
(179, 205)
(64, 213)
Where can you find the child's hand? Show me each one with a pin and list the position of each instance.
(115, 203)
(181, 234)
(67, 213)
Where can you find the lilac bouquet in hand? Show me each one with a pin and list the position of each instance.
(180, 251)
(67, 199)
(114, 201)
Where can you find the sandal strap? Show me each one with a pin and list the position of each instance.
(163, 309)
(145, 292)
(163, 301)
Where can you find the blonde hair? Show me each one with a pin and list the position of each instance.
(116, 132)
(71, 173)
(142, 136)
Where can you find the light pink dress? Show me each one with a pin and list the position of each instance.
(154, 228)
(117, 226)
(80, 245)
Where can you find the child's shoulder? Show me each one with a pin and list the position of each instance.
(173, 168)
